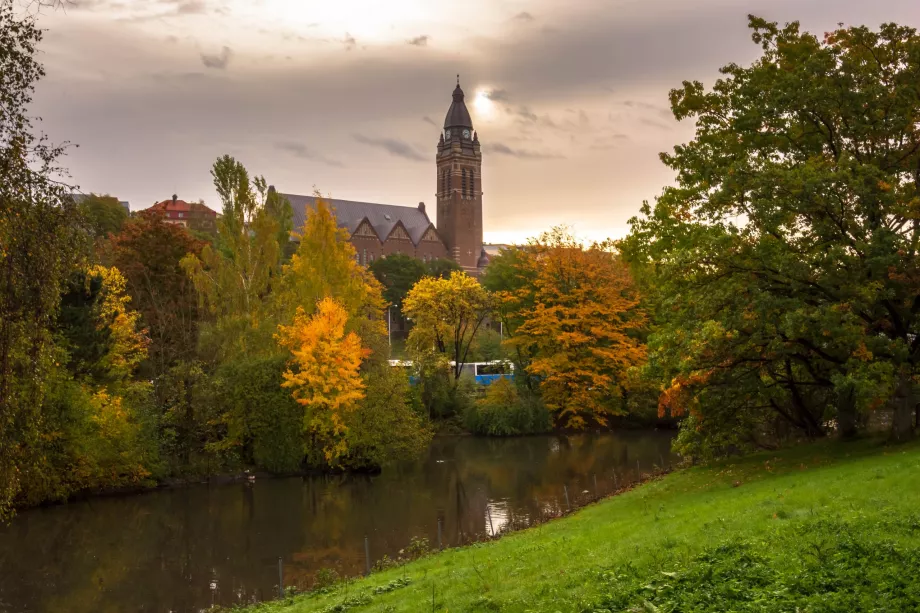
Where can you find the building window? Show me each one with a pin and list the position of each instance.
(364, 257)
(372, 258)
(463, 183)
(357, 258)
(180, 214)
(449, 176)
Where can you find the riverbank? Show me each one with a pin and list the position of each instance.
(824, 527)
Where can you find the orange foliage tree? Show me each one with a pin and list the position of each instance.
(324, 375)
(581, 323)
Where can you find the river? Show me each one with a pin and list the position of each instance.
(183, 549)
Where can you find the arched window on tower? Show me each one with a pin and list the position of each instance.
(449, 177)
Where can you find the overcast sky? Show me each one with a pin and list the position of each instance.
(569, 96)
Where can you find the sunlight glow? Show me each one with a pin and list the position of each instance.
(483, 104)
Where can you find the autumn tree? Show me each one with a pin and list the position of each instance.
(786, 257)
(148, 252)
(447, 314)
(325, 266)
(324, 376)
(580, 323)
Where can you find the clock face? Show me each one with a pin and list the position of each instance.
(466, 134)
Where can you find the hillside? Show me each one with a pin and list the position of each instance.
(826, 527)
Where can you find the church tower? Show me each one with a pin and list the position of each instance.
(459, 196)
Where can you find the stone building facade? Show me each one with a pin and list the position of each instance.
(378, 230)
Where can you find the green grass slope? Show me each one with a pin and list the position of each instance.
(820, 528)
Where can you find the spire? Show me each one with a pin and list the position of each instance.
(458, 116)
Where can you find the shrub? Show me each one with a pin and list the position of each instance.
(506, 410)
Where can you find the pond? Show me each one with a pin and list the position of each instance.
(184, 549)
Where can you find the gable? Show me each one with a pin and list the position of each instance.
(399, 233)
(431, 236)
(365, 229)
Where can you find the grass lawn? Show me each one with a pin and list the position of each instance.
(818, 528)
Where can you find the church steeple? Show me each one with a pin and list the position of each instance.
(459, 166)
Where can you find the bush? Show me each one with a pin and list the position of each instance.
(261, 416)
(506, 410)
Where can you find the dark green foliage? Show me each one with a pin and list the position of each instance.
(784, 266)
(78, 330)
(830, 568)
(385, 428)
(442, 268)
(260, 414)
(397, 273)
(507, 410)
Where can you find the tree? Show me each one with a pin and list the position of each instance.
(447, 314)
(581, 325)
(398, 273)
(442, 268)
(236, 276)
(148, 252)
(40, 245)
(324, 266)
(103, 214)
(790, 243)
(324, 376)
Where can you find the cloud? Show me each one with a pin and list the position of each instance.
(428, 119)
(654, 123)
(393, 146)
(645, 106)
(524, 17)
(419, 41)
(610, 141)
(190, 7)
(497, 95)
(300, 150)
(349, 42)
(524, 154)
(218, 62)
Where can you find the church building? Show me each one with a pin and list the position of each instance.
(378, 230)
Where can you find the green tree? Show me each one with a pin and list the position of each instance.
(235, 277)
(40, 244)
(442, 268)
(397, 274)
(785, 260)
(103, 214)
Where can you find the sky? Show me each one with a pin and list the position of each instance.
(569, 97)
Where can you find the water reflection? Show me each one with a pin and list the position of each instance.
(182, 550)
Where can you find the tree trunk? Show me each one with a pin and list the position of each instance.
(904, 404)
(846, 413)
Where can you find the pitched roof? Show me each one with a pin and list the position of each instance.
(182, 205)
(350, 214)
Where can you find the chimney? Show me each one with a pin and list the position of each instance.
(421, 206)
(174, 199)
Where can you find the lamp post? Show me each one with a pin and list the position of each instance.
(389, 327)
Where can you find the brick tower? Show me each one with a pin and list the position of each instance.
(459, 194)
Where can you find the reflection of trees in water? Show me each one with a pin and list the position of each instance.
(162, 549)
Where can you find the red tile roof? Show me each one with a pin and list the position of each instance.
(168, 206)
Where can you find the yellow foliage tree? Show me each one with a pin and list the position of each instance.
(324, 375)
(447, 314)
(129, 343)
(580, 324)
(325, 266)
